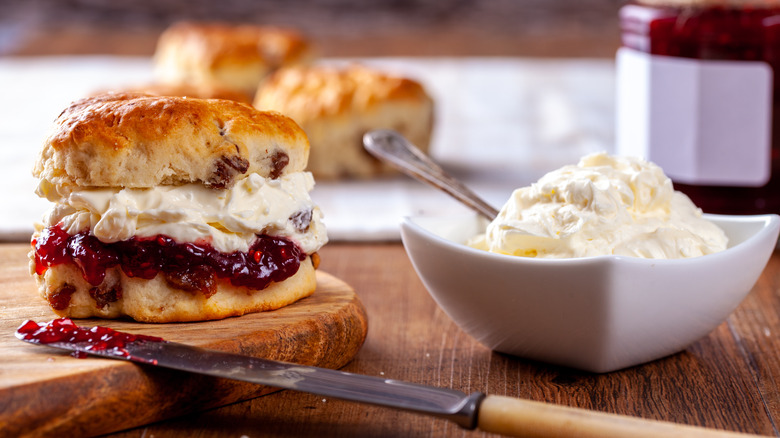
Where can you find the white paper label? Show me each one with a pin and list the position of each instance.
(704, 122)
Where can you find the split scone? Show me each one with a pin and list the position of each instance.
(174, 209)
(336, 106)
(233, 57)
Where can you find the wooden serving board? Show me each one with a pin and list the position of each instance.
(46, 392)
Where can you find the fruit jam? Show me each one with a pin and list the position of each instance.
(715, 32)
(66, 331)
(193, 267)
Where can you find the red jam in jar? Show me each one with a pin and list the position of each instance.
(695, 110)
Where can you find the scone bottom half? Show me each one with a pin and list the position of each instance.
(157, 278)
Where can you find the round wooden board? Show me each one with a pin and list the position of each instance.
(47, 392)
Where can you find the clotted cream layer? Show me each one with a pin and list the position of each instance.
(603, 205)
(228, 219)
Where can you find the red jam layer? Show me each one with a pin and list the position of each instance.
(188, 266)
(65, 330)
(715, 33)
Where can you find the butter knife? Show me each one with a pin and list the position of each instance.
(490, 413)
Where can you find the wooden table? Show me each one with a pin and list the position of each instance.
(728, 380)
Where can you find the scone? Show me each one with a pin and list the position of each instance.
(174, 209)
(233, 57)
(337, 106)
(182, 90)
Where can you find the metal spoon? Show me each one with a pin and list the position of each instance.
(393, 148)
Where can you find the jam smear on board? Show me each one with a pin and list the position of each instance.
(96, 338)
(191, 266)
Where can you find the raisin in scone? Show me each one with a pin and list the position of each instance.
(174, 209)
(336, 106)
(233, 57)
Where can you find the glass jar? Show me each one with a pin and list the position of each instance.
(698, 94)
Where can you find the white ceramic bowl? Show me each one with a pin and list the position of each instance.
(597, 314)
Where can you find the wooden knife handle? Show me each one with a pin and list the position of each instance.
(516, 417)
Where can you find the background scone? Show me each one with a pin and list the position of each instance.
(233, 57)
(336, 106)
(182, 90)
(173, 209)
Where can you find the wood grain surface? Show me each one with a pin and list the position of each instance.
(46, 392)
(539, 28)
(728, 380)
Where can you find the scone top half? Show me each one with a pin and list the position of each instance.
(212, 195)
(134, 140)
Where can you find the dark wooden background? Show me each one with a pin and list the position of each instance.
(539, 28)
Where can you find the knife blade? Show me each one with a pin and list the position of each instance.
(490, 413)
(101, 341)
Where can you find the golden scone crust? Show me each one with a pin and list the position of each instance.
(335, 106)
(138, 140)
(157, 301)
(230, 56)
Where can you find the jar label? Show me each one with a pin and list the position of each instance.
(704, 122)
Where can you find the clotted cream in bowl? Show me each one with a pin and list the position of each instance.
(591, 271)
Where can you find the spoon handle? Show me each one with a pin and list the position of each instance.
(393, 148)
